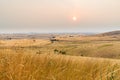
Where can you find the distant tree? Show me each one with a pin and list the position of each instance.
(53, 37)
(34, 40)
(62, 52)
(59, 51)
(71, 36)
(81, 55)
(53, 40)
(56, 51)
(9, 38)
(39, 52)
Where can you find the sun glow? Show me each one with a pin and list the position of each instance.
(74, 18)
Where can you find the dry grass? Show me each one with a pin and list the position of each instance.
(35, 60)
(106, 49)
(56, 67)
(24, 42)
(88, 38)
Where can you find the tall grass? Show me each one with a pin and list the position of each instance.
(56, 67)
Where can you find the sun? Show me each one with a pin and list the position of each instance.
(74, 18)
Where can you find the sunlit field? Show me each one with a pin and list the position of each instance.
(22, 66)
(59, 39)
(74, 58)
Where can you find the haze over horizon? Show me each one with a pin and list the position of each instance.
(45, 16)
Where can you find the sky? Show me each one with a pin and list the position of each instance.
(45, 16)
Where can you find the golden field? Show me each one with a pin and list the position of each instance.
(73, 58)
(56, 67)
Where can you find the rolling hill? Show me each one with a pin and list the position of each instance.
(112, 33)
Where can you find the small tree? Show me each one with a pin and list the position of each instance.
(34, 40)
(62, 52)
(56, 51)
(39, 52)
(53, 40)
(59, 51)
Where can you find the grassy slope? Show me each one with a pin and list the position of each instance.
(105, 49)
(23, 42)
(56, 67)
(19, 61)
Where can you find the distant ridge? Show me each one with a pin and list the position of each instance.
(112, 33)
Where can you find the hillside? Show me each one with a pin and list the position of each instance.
(71, 57)
(56, 67)
(112, 33)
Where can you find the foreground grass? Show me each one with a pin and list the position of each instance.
(56, 67)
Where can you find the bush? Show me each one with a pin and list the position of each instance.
(59, 52)
(39, 52)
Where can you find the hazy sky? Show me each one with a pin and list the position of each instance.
(56, 15)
